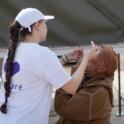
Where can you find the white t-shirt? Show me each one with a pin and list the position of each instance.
(36, 70)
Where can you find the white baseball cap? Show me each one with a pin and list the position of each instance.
(29, 16)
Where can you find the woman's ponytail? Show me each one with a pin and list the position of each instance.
(14, 30)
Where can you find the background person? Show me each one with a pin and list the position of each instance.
(93, 101)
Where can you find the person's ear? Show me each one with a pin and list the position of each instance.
(37, 26)
(101, 69)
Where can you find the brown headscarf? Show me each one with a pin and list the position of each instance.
(110, 59)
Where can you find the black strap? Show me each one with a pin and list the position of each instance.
(63, 60)
(66, 57)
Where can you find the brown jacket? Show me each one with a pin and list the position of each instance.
(92, 104)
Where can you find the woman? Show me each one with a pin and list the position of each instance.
(30, 71)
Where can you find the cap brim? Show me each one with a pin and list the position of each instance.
(48, 17)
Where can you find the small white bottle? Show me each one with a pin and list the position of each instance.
(93, 44)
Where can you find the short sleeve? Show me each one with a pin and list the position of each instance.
(50, 68)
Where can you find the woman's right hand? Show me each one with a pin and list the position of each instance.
(93, 53)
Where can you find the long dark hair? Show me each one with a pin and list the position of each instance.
(14, 30)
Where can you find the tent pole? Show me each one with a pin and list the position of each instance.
(119, 88)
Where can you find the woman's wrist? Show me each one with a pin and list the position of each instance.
(67, 57)
(86, 58)
(64, 58)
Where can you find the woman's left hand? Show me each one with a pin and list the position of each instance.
(74, 54)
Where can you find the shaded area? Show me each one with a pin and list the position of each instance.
(76, 22)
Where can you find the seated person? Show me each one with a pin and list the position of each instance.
(93, 101)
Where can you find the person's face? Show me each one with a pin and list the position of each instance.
(96, 67)
(40, 30)
(43, 30)
(92, 67)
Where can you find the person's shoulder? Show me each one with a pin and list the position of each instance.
(42, 51)
(35, 47)
(91, 90)
(45, 50)
(95, 91)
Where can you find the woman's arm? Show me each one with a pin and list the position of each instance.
(72, 86)
(71, 55)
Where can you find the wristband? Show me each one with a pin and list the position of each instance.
(66, 58)
(63, 60)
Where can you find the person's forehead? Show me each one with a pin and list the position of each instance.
(99, 57)
(96, 60)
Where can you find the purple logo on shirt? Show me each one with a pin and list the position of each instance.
(16, 68)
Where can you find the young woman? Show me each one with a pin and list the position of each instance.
(30, 71)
